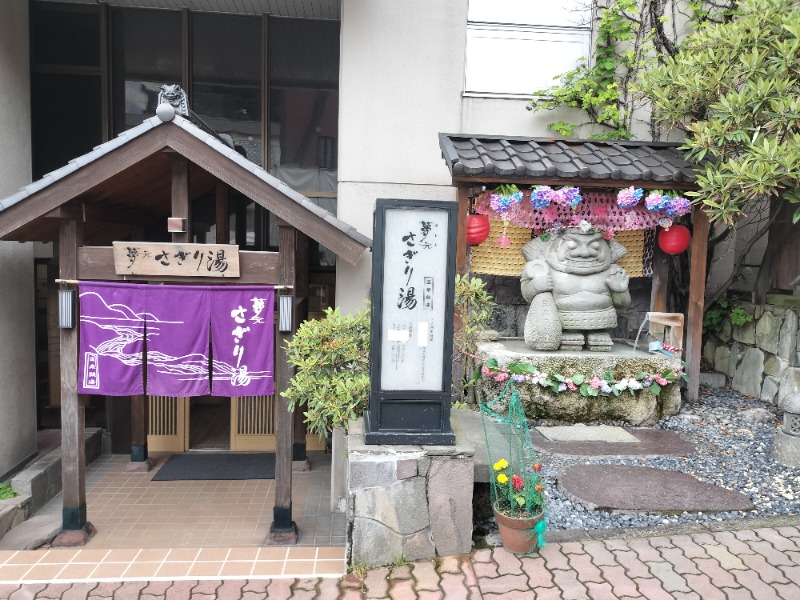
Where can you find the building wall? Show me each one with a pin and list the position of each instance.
(401, 84)
(17, 364)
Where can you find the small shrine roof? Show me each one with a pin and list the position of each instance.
(490, 158)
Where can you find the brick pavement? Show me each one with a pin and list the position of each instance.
(757, 563)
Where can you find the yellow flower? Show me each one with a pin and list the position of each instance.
(502, 478)
(500, 464)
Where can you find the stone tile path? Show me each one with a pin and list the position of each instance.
(760, 563)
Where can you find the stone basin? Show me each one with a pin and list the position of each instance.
(639, 409)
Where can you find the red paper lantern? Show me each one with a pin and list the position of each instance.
(674, 240)
(477, 229)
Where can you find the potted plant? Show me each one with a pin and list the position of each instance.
(518, 505)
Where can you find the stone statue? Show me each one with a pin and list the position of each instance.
(574, 289)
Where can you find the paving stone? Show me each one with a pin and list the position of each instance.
(347, 595)
(676, 558)
(720, 577)
(485, 555)
(553, 557)
(131, 590)
(771, 555)
(766, 572)
(571, 588)
(485, 570)
(514, 595)
(503, 583)
(451, 564)
(779, 538)
(670, 580)
(644, 549)
(633, 566)
(400, 572)
(506, 561)
(78, 591)
(54, 590)
(600, 554)
(688, 546)
(27, 592)
(470, 580)
(572, 548)
(454, 586)
(599, 591)
(651, 589)
(377, 583)
(402, 589)
(581, 432)
(538, 575)
(426, 576)
(619, 580)
(703, 586)
(582, 565)
(280, 589)
(751, 581)
(427, 595)
(650, 442)
(617, 487)
(328, 589)
(451, 511)
(737, 594)
(787, 590)
(207, 587)
(180, 590)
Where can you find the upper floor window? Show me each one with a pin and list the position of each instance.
(515, 47)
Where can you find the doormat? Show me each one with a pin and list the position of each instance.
(217, 465)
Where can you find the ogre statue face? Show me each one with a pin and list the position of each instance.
(579, 253)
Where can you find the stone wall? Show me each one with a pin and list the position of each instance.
(509, 315)
(761, 358)
(407, 502)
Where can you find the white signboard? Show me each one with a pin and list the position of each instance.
(414, 299)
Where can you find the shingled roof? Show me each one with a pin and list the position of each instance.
(488, 158)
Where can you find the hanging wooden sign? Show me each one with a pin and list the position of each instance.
(182, 260)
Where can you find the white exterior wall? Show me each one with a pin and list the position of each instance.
(401, 84)
(17, 359)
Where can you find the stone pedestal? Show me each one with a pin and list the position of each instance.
(407, 502)
(637, 409)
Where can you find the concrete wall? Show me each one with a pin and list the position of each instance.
(17, 360)
(401, 84)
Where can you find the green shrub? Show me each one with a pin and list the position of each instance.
(6, 491)
(331, 356)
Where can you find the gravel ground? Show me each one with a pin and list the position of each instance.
(733, 437)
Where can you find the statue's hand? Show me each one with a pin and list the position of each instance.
(617, 280)
(536, 277)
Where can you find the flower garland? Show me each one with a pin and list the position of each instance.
(607, 385)
(544, 209)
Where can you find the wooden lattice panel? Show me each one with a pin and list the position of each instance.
(633, 261)
(491, 259)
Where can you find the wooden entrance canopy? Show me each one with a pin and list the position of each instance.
(476, 160)
(139, 180)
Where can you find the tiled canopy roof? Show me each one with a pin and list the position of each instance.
(516, 158)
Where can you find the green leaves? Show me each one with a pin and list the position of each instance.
(735, 88)
(331, 357)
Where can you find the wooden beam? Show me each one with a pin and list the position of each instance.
(181, 207)
(222, 214)
(461, 241)
(73, 469)
(271, 198)
(97, 263)
(139, 416)
(301, 269)
(577, 181)
(660, 287)
(697, 287)
(283, 529)
(82, 180)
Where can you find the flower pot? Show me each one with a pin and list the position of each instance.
(517, 532)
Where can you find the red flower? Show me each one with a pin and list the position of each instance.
(537, 467)
(517, 483)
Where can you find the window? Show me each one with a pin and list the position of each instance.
(516, 47)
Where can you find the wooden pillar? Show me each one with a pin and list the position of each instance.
(139, 426)
(181, 208)
(283, 530)
(301, 267)
(660, 289)
(76, 529)
(461, 241)
(697, 286)
(222, 214)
